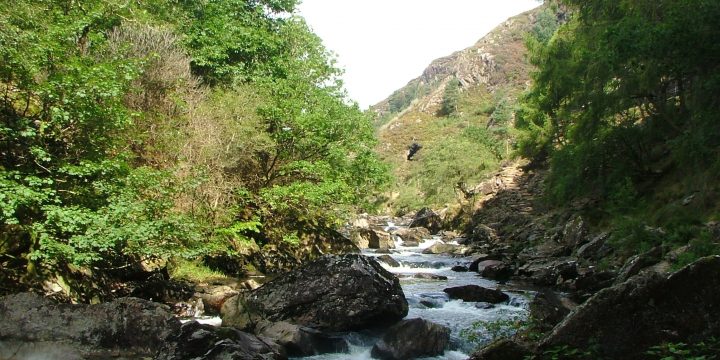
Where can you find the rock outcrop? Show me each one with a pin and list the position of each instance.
(411, 339)
(477, 293)
(624, 320)
(301, 341)
(128, 326)
(198, 341)
(333, 293)
(427, 219)
(35, 327)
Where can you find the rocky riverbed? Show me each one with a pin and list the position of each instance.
(409, 294)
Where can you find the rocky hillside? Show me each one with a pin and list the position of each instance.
(495, 61)
(460, 111)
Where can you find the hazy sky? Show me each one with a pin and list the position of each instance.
(383, 44)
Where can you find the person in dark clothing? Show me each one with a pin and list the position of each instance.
(413, 149)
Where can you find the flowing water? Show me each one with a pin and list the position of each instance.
(455, 314)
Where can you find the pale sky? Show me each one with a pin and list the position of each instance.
(383, 44)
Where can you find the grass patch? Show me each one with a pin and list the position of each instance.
(194, 272)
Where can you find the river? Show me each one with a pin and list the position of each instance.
(455, 314)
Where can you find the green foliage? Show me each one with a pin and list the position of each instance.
(700, 246)
(564, 352)
(136, 130)
(401, 99)
(704, 350)
(193, 271)
(621, 100)
(634, 236)
(450, 98)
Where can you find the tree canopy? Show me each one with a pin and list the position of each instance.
(154, 129)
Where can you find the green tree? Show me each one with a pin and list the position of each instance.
(450, 98)
(620, 78)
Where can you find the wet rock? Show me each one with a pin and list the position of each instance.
(476, 293)
(415, 234)
(427, 264)
(428, 276)
(301, 341)
(195, 340)
(503, 349)
(478, 259)
(480, 266)
(447, 249)
(388, 260)
(484, 305)
(428, 219)
(129, 326)
(460, 268)
(623, 321)
(333, 293)
(498, 271)
(410, 243)
(433, 303)
(411, 339)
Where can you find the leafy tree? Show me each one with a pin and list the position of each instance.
(621, 78)
(450, 98)
(135, 130)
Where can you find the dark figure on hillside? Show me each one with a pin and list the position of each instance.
(413, 149)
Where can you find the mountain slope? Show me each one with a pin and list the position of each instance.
(467, 143)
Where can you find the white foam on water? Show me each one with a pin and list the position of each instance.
(207, 320)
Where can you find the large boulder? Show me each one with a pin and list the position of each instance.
(441, 248)
(500, 271)
(335, 293)
(130, 327)
(476, 293)
(376, 239)
(478, 261)
(428, 219)
(413, 235)
(411, 339)
(388, 260)
(624, 320)
(214, 296)
(198, 341)
(301, 341)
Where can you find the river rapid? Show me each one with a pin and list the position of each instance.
(455, 314)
